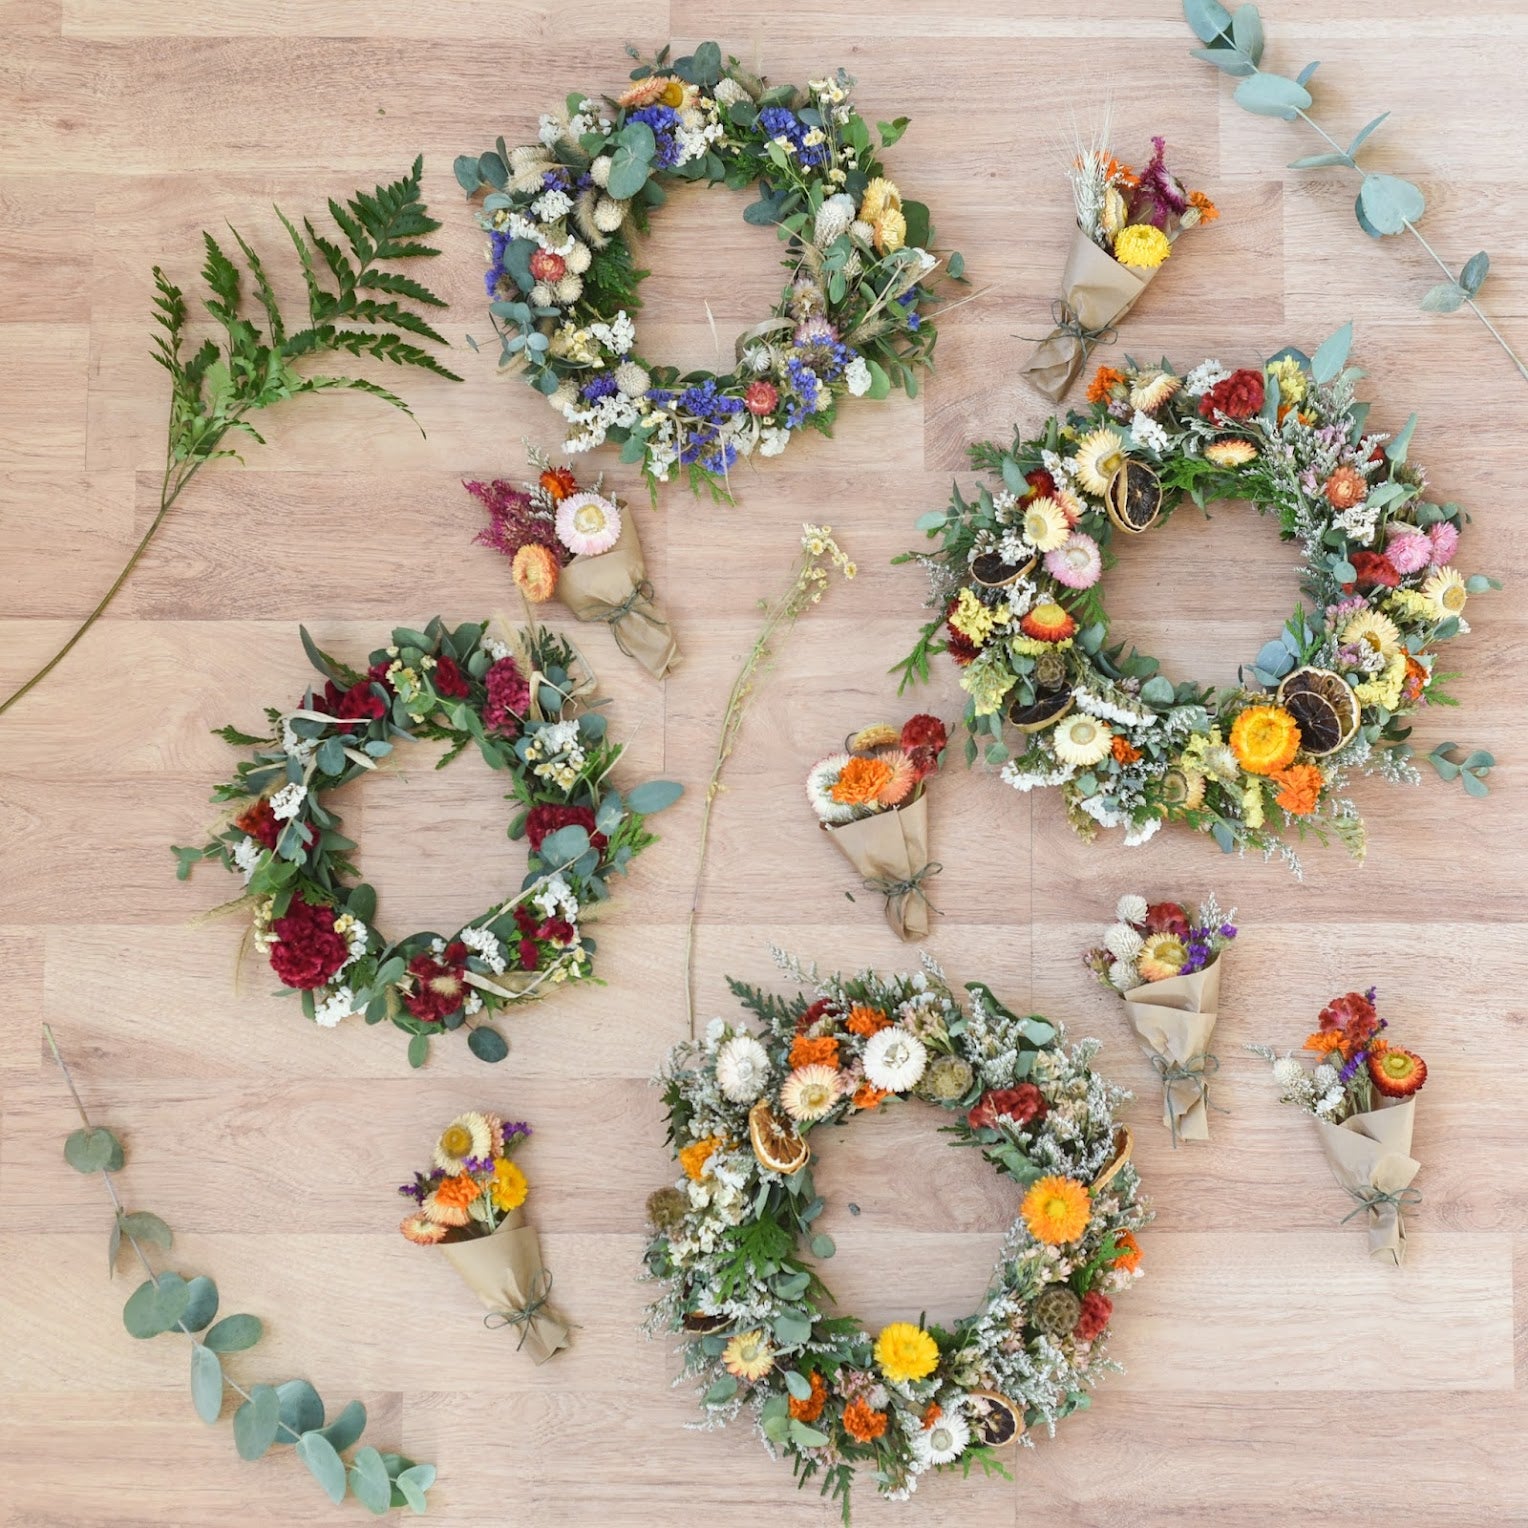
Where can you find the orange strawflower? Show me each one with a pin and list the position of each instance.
(1415, 681)
(1056, 1210)
(1265, 739)
(1300, 789)
(931, 1414)
(1345, 488)
(1121, 174)
(1325, 1041)
(448, 1202)
(866, 1021)
(811, 1408)
(862, 1422)
(1129, 1254)
(1124, 752)
(557, 483)
(867, 1096)
(1105, 379)
(693, 1158)
(861, 781)
(534, 571)
(1207, 209)
(809, 1050)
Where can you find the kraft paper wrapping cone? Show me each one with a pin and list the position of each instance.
(1097, 291)
(1174, 1020)
(1369, 1154)
(505, 1272)
(613, 588)
(890, 851)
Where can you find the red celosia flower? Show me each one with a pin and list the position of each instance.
(509, 698)
(546, 266)
(959, 646)
(1041, 484)
(530, 955)
(440, 986)
(1021, 1104)
(818, 1010)
(308, 951)
(260, 823)
(449, 679)
(1167, 918)
(377, 674)
(358, 703)
(547, 817)
(761, 398)
(555, 931)
(1354, 1014)
(923, 740)
(1238, 396)
(1374, 571)
(1096, 1310)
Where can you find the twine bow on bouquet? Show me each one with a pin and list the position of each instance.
(1361, 1092)
(871, 801)
(468, 1205)
(1166, 966)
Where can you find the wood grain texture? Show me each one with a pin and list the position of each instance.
(1272, 1373)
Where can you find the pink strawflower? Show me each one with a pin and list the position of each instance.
(1409, 549)
(1445, 542)
(1076, 562)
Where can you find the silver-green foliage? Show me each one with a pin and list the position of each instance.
(291, 1414)
(1386, 204)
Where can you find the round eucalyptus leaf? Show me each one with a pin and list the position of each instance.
(256, 1421)
(235, 1333)
(369, 1482)
(202, 1304)
(93, 1151)
(155, 1308)
(326, 1466)
(206, 1383)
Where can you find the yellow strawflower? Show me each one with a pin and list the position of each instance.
(906, 1352)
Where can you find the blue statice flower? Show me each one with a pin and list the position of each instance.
(906, 300)
(780, 122)
(603, 386)
(555, 180)
(809, 392)
(664, 121)
(707, 409)
(498, 242)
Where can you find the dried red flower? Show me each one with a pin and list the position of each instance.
(509, 698)
(260, 823)
(557, 483)
(546, 266)
(1167, 918)
(1096, 1310)
(440, 986)
(530, 955)
(1354, 1014)
(1021, 1104)
(923, 739)
(449, 679)
(1238, 396)
(818, 1010)
(358, 703)
(1041, 484)
(761, 398)
(308, 951)
(1374, 571)
(547, 817)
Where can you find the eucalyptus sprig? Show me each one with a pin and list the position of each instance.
(356, 307)
(1386, 204)
(270, 1415)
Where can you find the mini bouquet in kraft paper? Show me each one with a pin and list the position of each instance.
(871, 800)
(1166, 966)
(1361, 1093)
(468, 1205)
(1127, 223)
(581, 546)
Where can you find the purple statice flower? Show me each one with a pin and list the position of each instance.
(412, 1191)
(498, 242)
(781, 122)
(603, 386)
(664, 121)
(514, 520)
(555, 180)
(515, 1130)
(1158, 195)
(1228, 931)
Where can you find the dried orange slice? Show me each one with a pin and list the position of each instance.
(995, 1420)
(1134, 497)
(775, 1141)
(1048, 707)
(1325, 707)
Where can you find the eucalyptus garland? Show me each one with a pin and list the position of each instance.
(563, 283)
(523, 703)
(1058, 701)
(730, 1237)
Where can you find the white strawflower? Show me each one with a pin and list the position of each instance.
(857, 377)
(862, 231)
(609, 214)
(599, 171)
(1288, 1073)
(894, 1060)
(340, 1004)
(742, 1069)
(632, 379)
(579, 259)
(287, 802)
(1130, 908)
(1122, 942)
(728, 92)
(943, 1442)
(569, 290)
(541, 295)
(833, 218)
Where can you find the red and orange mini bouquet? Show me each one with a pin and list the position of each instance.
(871, 801)
(1362, 1094)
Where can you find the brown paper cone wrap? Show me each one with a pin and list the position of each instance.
(1372, 1152)
(1174, 1019)
(1098, 291)
(891, 847)
(505, 1272)
(613, 588)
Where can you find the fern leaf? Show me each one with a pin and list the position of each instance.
(262, 288)
(334, 257)
(352, 230)
(317, 297)
(222, 276)
(355, 384)
(400, 286)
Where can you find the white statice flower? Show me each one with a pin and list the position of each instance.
(944, 1442)
(1130, 908)
(1113, 709)
(742, 1069)
(894, 1060)
(518, 226)
(618, 336)
(1146, 432)
(356, 936)
(295, 747)
(246, 856)
(473, 1003)
(857, 377)
(717, 1030)
(556, 899)
(1360, 523)
(339, 1004)
(550, 206)
(1031, 779)
(772, 441)
(287, 802)
(1122, 942)
(548, 128)
(1143, 832)
(486, 946)
(1203, 377)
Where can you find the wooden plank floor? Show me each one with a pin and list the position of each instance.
(1273, 1373)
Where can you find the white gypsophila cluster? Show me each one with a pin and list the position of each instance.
(495, 649)
(1146, 432)
(1032, 779)
(247, 853)
(338, 1004)
(1106, 813)
(356, 935)
(555, 898)
(1111, 704)
(618, 336)
(1142, 832)
(487, 947)
(287, 802)
(293, 746)
(1203, 377)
